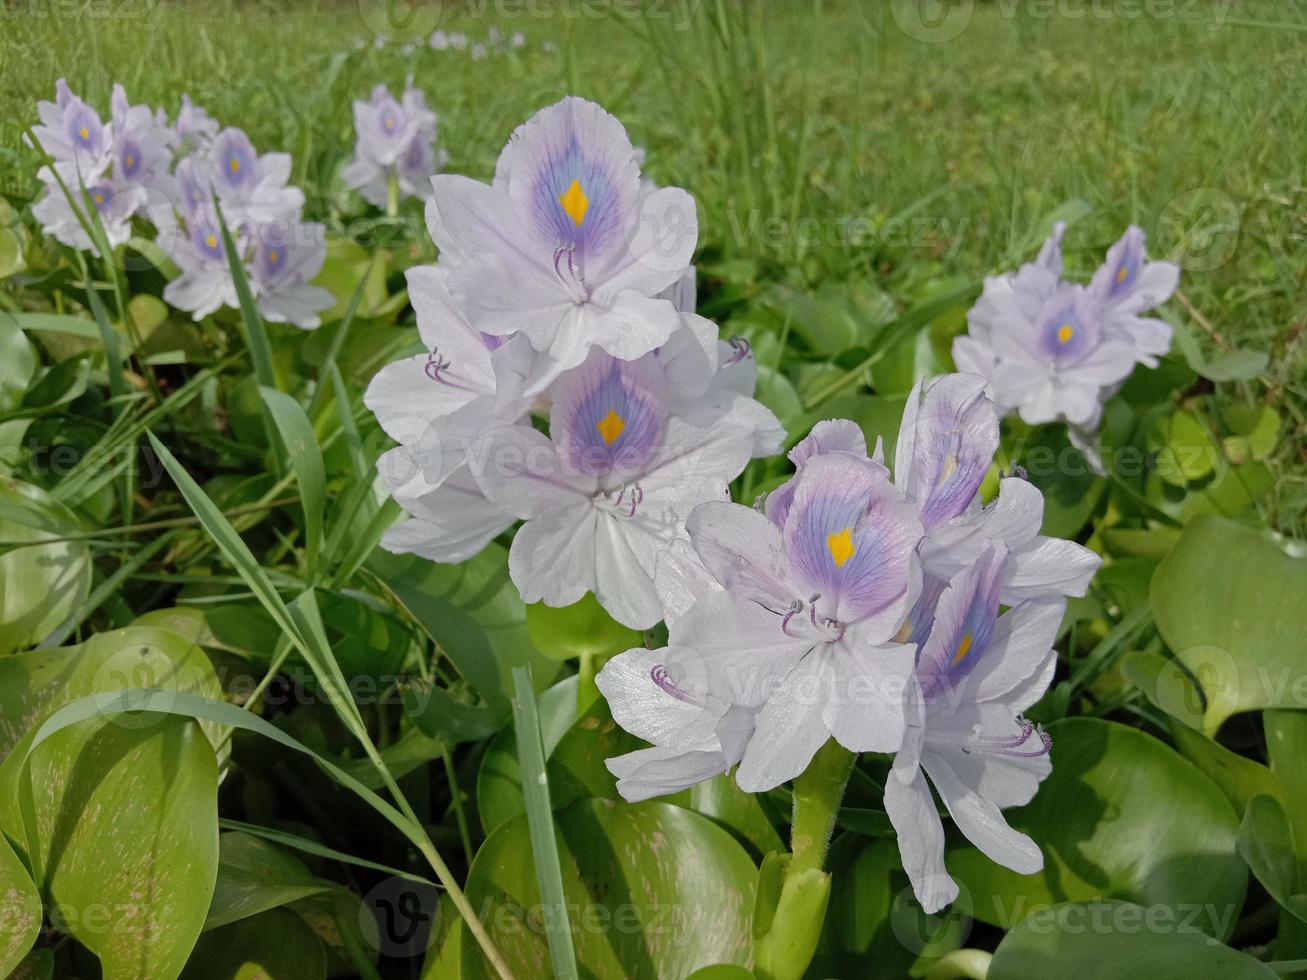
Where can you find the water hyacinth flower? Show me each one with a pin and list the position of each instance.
(285, 257)
(72, 135)
(946, 444)
(194, 130)
(118, 169)
(610, 487)
(251, 187)
(437, 405)
(1127, 285)
(801, 626)
(205, 284)
(395, 140)
(1057, 351)
(565, 224)
(976, 673)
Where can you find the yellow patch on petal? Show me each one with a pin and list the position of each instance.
(574, 202)
(950, 466)
(963, 648)
(1065, 333)
(904, 632)
(99, 198)
(84, 133)
(235, 165)
(1122, 273)
(610, 427)
(274, 257)
(211, 241)
(841, 546)
(131, 160)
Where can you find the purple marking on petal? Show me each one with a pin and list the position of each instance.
(600, 228)
(82, 126)
(129, 161)
(850, 535)
(956, 437)
(964, 624)
(922, 618)
(234, 158)
(1128, 262)
(206, 236)
(101, 194)
(494, 341)
(1067, 329)
(608, 415)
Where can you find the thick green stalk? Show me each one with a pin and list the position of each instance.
(817, 796)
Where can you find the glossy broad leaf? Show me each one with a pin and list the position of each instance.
(20, 910)
(652, 891)
(1118, 940)
(1229, 604)
(41, 584)
(1122, 816)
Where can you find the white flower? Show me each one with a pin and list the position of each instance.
(611, 486)
(251, 188)
(976, 673)
(283, 261)
(563, 247)
(394, 139)
(1125, 286)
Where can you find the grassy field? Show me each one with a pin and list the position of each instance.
(828, 144)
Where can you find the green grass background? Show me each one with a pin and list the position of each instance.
(790, 120)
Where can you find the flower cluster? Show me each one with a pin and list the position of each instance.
(395, 141)
(495, 41)
(867, 605)
(564, 290)
(178, 177)
(1052, 349)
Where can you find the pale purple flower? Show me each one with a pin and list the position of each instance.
(395, 139)
(1127, 285)
(72, 135)
(251, 188)
(610, 487)
(518, 40)
(976, 673)
(205, 284)
(114, 205)
(195, 129)
(458, 40)
(439, 41)
(478, 51)
(801, 625)
(563, 247)
(662, 697)
(945, 446)
(436, 405)
(284, 260)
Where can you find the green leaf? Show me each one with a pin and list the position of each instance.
(20, 912)
(301, 445)
(1118, 940)
(277, 945)
(473, 611)
(1121, 816)
(1229, 604)
(1266, 844)
(443, 717)
(583, 629)
(1286, 747)
(540, 824)
(1236, 365)
(254, 876)
(656, 891)
(40, 584)
(17, 363)
(122, 817)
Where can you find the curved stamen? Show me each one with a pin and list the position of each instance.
(1011, 745)
(658, 674)
(435, 364)
(573, 278)
(740, 349)
(796, 607)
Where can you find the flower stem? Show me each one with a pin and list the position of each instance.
(817, 796)
(791, 911)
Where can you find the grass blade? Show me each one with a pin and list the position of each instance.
(540, 818)
(301, 445)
